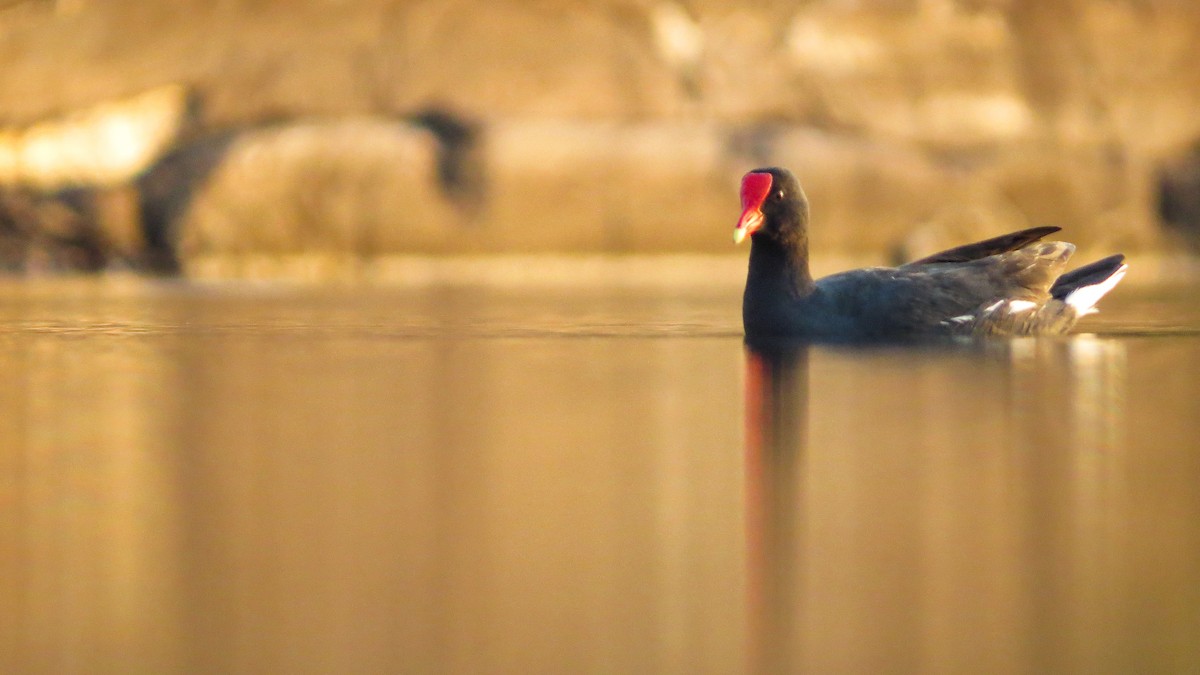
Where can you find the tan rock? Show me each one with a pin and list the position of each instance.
(354, 187)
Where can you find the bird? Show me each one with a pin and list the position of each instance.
(1011, 285)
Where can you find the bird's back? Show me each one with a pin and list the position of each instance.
(918, 299)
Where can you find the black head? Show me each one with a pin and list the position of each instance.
(773, 206)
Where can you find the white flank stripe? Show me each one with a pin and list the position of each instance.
(1020, 306)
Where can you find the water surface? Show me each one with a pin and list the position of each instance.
(454, 477)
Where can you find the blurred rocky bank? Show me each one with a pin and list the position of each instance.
(194, 136)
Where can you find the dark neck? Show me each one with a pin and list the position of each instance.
(776, 263)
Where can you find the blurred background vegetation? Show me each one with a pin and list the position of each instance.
(218, 137)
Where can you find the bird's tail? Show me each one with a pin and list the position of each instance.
(1082, 288)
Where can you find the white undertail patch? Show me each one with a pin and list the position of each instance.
(1084, 299)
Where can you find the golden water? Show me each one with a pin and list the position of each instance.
(446, 478)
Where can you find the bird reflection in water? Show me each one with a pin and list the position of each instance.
(776, 426)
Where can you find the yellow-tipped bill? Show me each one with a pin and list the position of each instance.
(748, 224)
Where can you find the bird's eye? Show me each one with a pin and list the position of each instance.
(779, 194)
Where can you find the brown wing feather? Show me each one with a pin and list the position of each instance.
(988, 247)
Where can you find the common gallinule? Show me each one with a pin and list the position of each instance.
(1009, 285)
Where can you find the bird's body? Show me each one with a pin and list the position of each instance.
(1009, 285)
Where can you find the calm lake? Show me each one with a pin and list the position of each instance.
(514, 472)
